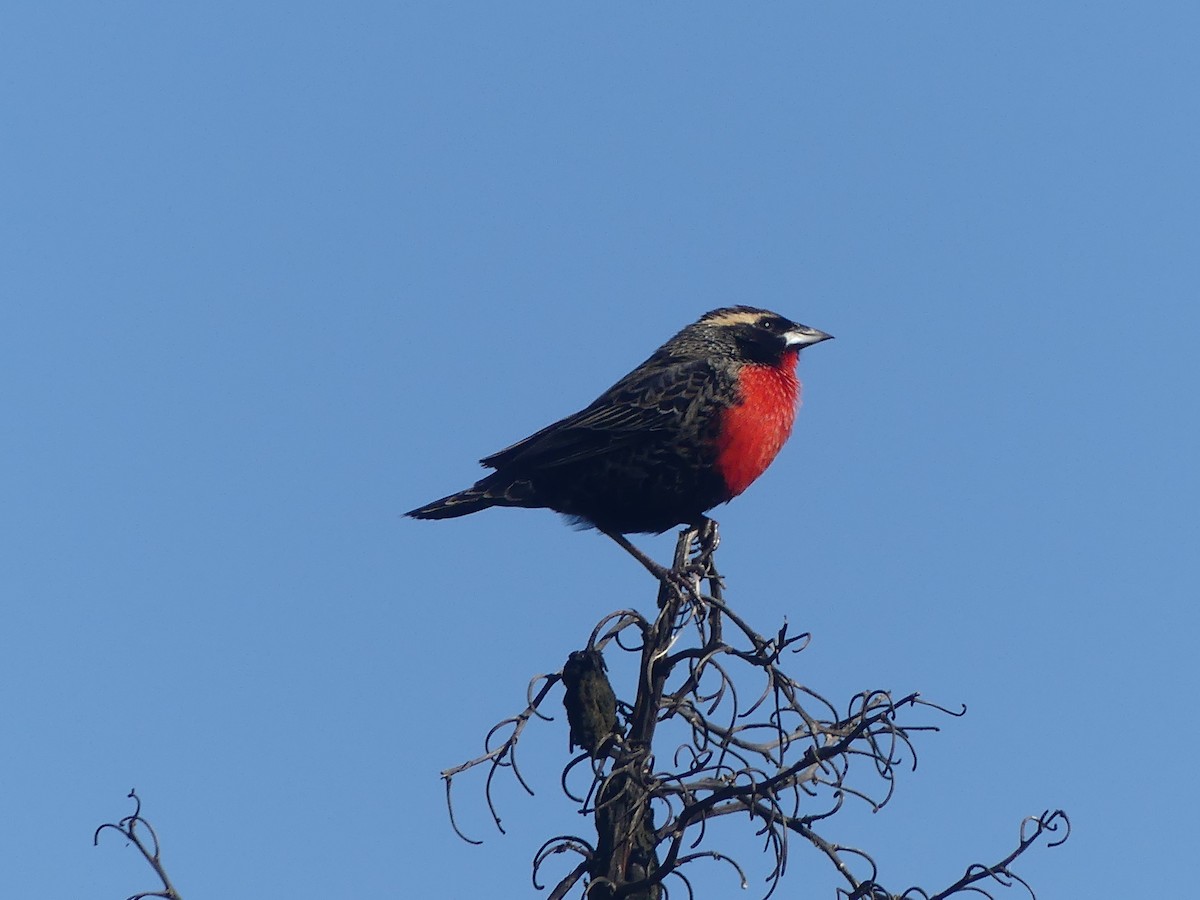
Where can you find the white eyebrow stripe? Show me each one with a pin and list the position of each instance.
(738, 317)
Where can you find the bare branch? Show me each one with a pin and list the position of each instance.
(747, 738)
(129, 827)
(502, 756)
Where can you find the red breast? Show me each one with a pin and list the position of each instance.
(753, 431)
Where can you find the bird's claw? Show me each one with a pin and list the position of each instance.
(706, 538)
(683, 581)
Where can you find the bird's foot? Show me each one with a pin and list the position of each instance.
(680, 585)
(705, 538)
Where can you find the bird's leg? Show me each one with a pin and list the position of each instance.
(660, 572)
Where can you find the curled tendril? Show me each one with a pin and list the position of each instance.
(131, 828)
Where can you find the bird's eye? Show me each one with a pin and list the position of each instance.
(769, 324)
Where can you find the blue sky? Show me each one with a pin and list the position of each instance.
(270, 276)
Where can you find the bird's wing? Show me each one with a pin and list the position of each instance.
(651, 400)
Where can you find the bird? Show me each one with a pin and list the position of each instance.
(589, 701)
(687, 430)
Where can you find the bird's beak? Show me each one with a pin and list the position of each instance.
(803, 336)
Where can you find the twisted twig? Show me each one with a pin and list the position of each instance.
(129, 827)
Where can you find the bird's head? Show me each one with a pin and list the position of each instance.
(747, 334)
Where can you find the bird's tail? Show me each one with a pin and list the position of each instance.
(463, 503)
